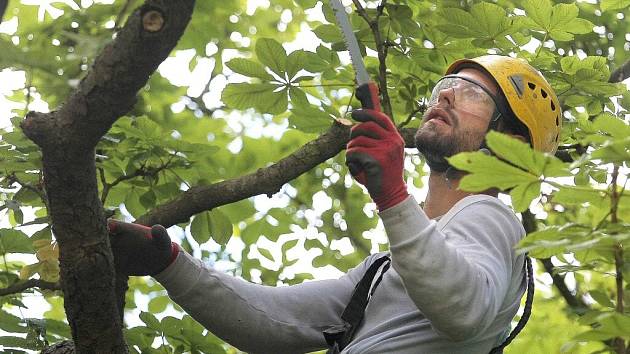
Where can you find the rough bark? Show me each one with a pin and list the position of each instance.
(67, 138)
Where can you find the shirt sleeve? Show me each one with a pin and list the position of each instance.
(257, 318)
(457, 274)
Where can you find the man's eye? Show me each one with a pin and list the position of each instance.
(474, 93)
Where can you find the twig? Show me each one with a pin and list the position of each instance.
(31, 283)
(143, 171)
(39, 190)
(576, 303)
(420, 108)
(381, 49)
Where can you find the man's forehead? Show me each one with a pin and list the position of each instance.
(481, 77)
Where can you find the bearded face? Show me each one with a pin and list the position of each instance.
(458, 116)
(443, 135)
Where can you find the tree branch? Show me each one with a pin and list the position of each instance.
(143, 171)
(381, 49)
(3, 8)
(28, 284)
(576, 303)
(621, 73)
(266, 180)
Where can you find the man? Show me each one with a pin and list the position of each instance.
(455, 282)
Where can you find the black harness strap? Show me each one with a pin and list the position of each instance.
(338, 337)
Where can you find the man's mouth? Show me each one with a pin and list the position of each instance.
(440, 115)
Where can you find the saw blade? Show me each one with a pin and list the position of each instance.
(351, 42)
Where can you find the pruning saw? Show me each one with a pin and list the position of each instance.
(367, 91)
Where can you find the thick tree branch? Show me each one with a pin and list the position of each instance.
(28, 284)
(266, 180)
(68, 137)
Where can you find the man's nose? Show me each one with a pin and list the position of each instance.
(447, 97)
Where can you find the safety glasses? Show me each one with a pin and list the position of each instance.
(467, 95)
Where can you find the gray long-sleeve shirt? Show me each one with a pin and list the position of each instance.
(453, 287)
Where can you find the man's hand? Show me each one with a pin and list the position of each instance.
(375, 157)
(140, 250)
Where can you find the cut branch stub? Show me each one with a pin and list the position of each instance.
(152, 20)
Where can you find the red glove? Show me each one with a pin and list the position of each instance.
(375, 157)
(140, 250)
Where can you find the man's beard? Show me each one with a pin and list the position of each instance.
(436, 146)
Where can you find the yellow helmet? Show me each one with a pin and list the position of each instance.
(528, 94)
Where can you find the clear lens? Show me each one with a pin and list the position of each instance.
(465, 96)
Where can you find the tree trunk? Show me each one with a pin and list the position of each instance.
(67, 138)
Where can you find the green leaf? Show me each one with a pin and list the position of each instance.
(328, 33)
(133, 204)
(602, 298)
(288, 245)
(607, 5)
(569, 195)
(539, 13)
(561, 21)
(298, 97)
(610, 124)
(295, 63)
(14, 241)
(487, 172)
(271, 53)
(158, 304)
(580, 26)
(220, 226)
(249, 68)
(315, 63)
(200, 227)
(11, 323)
(516, 152)
(17, 342)
(211, 223)
(150, 320)
(523, 194)
(309, 119)
(266, 253)
(306, 4)
(258, 96)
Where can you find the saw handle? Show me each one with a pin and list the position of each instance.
(368, 95)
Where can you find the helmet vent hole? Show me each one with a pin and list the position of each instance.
(557, 121)
(543, 93)
(531, 86)
(556, 138)
(553, 106)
